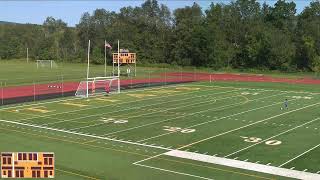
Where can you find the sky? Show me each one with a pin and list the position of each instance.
(70, 11)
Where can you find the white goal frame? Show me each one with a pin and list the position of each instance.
(95, 86)
(41, 63)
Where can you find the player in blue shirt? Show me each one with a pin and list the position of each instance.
(286, 103)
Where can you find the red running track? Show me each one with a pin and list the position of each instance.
(242, 77)
(67, 87)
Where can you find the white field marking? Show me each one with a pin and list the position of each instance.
(79, 98)
(216, 119)
(175, 172)
(82, 134)
(177, 117)
(244, 165)
(294, 128)
(306, 92)
(268, 164)
(248, 125)
(219, 119)
(307, 151)
(292, 167)
(125, 109)
(133, 107)
(92, 125)
(89, 108)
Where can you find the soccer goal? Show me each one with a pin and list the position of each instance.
(46, 64)
(98, 86)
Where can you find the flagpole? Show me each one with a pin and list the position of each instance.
(118, 59)
(105, 59)
(88, 68)
(118, 67)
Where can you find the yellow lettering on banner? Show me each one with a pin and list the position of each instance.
(74, 104)
(187, 88)
(105, 99)
(40, 109)
(141, 95)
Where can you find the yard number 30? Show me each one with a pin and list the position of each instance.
(257, 140)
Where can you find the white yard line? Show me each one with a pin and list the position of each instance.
(272, 137)
(83, 134)
(82, 127)
(145, 114)
(307, 151)
(306, 92)
(140, 107)
(244, 165)
(248, 125)
(116, 104)
(175, 172)
(206, 122)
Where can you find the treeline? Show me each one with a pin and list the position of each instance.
(241, 34)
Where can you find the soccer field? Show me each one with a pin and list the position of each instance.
(201, 130)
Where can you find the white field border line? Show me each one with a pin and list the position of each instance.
(300, 156)
(126, 109)
(170, 171)
(272, 137)
(313, 93)
(165, 170)
(83, 134)
(221, 107)
(75, 98)
(164, 134)
(160, 111)
(97, 107)
(248, 125)
(244, 165)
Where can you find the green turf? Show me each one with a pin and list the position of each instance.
(19, 72)
(223, 113)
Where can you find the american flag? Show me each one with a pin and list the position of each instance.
(107, 45)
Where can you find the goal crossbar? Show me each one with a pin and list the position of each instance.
(98, 85)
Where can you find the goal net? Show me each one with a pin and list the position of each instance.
(98, 86)
(46, 64)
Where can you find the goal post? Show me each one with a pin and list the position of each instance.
(46, 63)
(98, 86)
